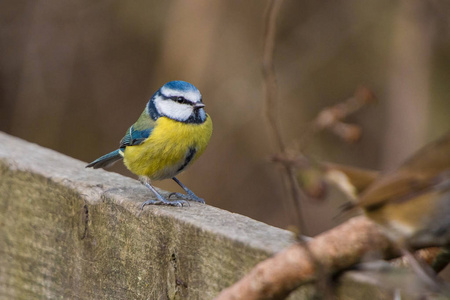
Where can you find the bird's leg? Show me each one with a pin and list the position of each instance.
(160, 199)
(190, 194)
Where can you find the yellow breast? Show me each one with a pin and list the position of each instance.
(169, 149)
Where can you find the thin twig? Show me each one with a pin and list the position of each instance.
(332, 118)
(271, 106)
(270, 83)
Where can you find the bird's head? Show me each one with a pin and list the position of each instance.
(179, 101)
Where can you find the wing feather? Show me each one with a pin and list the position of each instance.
(139, 131)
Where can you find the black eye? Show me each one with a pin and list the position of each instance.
(180, 99)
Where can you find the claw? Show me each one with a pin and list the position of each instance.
(192, 197)
(177, 203)
(160, 199)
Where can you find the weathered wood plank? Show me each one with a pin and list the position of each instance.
(71, 232)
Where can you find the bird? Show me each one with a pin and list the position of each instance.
(170, 134)
(412, 201)
(411, 204)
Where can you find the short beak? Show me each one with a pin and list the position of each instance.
(199, 105)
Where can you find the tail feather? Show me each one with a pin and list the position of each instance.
(106, 160)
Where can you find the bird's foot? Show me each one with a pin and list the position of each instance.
(177, 203)
(187, 197)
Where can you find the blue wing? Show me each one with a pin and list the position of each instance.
(139, 132)
(135, 137)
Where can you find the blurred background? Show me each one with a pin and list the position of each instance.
(74, 75)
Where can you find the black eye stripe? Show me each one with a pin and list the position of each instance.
(181, 100)
(178, 99)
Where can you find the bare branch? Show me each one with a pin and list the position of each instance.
(333, 117)
(336, 249)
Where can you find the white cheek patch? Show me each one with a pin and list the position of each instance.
(174, 110)
(193, 96)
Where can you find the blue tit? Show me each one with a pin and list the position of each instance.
(171, 133)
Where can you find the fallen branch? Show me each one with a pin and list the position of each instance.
(336, 250)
